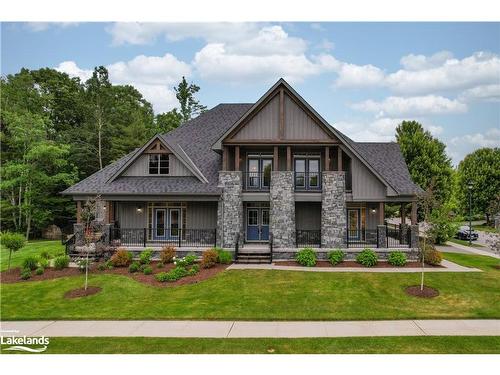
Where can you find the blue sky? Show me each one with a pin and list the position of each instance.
(364, 78)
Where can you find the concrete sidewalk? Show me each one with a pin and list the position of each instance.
(447, 266)
(474, 250)
(242, 329)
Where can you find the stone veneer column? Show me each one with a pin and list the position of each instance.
(230, 208)
(282, 213)
(381, 236)
(333, 209)
(414, 237)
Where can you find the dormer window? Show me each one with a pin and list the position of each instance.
(158, 164)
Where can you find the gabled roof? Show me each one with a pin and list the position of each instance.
(194, 141)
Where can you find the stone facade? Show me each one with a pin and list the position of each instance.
(282, 205)
(414, 236)
(333, 209)
(230, 209)
(381, 236)
(350, 253)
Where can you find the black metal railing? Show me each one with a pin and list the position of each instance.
(307, 181)
(69, 243)
(358, 238)
(162, 236)
(397, 236)
(308, 238)
(256, 181)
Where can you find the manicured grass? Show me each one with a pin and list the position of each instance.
(485, 228)
(266, 295)
(344, 345)
(34, 247)
(464, 242)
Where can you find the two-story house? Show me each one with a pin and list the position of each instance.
(272, 172)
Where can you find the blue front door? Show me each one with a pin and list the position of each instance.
(258, 224)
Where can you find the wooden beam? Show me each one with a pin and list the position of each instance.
(327, 158)
(381, 213)
(275, 159)
(413, 213)
(106, 212)
(339, 158)
(224, 158)
(282, 114)
(288, 158)
(237, 158)
(78, 212)
(259, 142)
(402, 213)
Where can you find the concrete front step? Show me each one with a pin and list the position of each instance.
(254, 261)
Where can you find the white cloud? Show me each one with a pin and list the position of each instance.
(489, 93)
(351, 75)
(325, 45)
(453, 74)
(148, 32)
(153, 76)
(43, 26)
(412, 106)
(459, 147)
(421, 62)
(317, 26)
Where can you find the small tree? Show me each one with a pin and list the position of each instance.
(13, 242)
(88, 215)
(427, 201)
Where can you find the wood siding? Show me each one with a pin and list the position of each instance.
(308, 215)
(128, 217)
(264, 125)
(141, 167)
(364, 183)
(201, 215)
(299, 125)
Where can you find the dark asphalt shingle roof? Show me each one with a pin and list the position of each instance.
(196, 138)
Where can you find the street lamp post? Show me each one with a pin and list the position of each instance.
(469, 188)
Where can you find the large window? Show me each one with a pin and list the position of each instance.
(159, 164)
(307, 173)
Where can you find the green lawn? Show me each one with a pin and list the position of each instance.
(266, 295)
(344, 345)
(34, 247)
(485, 228)
(464, 242)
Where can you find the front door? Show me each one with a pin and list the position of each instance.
(166, 223)
(258, 224)
(353, 224)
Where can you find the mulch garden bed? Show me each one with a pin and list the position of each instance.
(351, 263)
(13, 276)
(427, 292)
(82, 292)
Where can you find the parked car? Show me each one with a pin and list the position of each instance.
(463, 233)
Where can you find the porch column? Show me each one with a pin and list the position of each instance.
(230, 209)
(402, 212)
(237, 158)
(107, 212)
(333, 209)
(224, 158)
(339, 158)
(282, 209)
(327, 158)
(288, 158)
(78, 212)
(381, 236)
(381, 213)
(413, 213)
(275, 159)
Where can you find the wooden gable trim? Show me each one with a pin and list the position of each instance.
(157, 147)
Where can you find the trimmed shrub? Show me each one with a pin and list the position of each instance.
(102, 267)
(45, 255)
(147, 270)
(397, 258)
(172, 275)
(161, 277)
(30, 262)
(12, 242)
(145, 256)
(121, 258)
(209, 258)
(432, 256)
(160, 265)
(167, 254)
(336, 257)
(134, 267)
(39, 271)
(224, 257)
(108, 264)
(367, 258)
(61, 262)
(186, 261)
(194, 270)
(43, 262)
(25, 273)
(306, 257)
